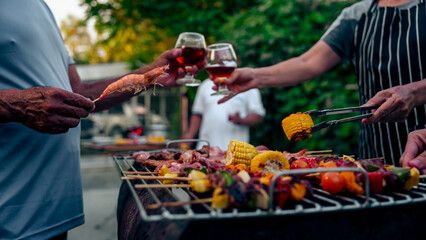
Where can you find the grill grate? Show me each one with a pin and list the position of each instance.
(321, 201)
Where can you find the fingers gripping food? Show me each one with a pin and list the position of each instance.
(297, 126)
(136, 82)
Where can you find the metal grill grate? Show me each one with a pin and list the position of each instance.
(321, 201)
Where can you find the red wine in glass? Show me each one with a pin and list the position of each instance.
(220, 71)
(192, 56)
(221, 61)
(193, 48)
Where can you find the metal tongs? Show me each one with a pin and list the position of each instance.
(326, 124)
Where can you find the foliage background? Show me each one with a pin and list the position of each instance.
(265, 31)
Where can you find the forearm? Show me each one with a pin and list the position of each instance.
(311, 64)
(93, 90)
(7, 113)
(288, 73)
(251, 119)
(194, 126)
(419, 91)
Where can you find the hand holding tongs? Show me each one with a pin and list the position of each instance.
(326, 124)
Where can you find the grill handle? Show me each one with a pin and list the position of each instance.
(316, 170)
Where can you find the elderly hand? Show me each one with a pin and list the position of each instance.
(48, 110)
(415, 151)
(395, 104)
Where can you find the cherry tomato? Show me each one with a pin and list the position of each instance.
(299, 164)
(332, 182)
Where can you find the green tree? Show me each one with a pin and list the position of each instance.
(265, 31)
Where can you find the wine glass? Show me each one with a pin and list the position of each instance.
(221, 62)
(193, 53)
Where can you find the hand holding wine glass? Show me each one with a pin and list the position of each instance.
(221, 62)
(193, 53)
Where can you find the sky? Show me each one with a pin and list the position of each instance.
(62, 8)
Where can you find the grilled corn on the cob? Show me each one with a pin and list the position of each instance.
(269, 161)
(240, 153)
(297, 126)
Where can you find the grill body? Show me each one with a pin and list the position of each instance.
(399, 215)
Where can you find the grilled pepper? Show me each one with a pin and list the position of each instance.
(413, 180)
(350, 183)
(298, 191)
(220, 198)
(376, 181)
(282, 192)
(402, 174)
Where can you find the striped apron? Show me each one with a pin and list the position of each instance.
(389, 50)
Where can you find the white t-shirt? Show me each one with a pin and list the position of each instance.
(215, 126)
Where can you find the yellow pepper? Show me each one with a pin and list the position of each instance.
(350, 184)
(220, 198)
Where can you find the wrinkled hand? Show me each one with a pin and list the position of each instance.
(395, 104)
(415, 151)
(241, 80)
(235, 118)
(176, 71)
(50, 110)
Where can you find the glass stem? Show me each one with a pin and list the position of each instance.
(222, 84)
(188, 70)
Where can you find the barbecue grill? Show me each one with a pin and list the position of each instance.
(395, 215)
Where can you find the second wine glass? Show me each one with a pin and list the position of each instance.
(221, 62)
(193, 53)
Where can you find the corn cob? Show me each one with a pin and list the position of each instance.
(297, 126)
(269, 161)
(240, 153)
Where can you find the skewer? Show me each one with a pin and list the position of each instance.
(155, 178)
(373, 158)
(319, 151)
(162, 185)
(177, 204)
(422, 176)
(313, 174)
(136, 172)
(95, 100)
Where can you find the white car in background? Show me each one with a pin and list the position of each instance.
(124, 120)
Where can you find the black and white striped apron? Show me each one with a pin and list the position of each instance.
(390, 50)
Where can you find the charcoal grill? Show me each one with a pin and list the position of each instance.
(323, 215)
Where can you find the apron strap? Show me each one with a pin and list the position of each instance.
(373, 5)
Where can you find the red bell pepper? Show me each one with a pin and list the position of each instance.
(282, 192)
(376, 181)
